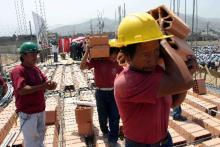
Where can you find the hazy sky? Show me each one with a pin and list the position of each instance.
(76, 11)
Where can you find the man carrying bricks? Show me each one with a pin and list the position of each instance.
(29, 87)
(105, 70)
(143, 90)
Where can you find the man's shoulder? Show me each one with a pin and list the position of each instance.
(121, 80)
(18, 68)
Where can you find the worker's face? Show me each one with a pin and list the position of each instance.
(146, 56)
(30, 59)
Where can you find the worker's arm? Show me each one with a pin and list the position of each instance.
(192, 65)
(176, 78)
(178, 99)
(27, 89)
(83, 64)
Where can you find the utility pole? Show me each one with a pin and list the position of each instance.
(196, 20)
(185, 11)
(178, 7)
(207, 28)
(116, 24)
(174, 3)
(193, 22)
(124, 10)
(100, 22)
(119, 14)
(30, 29)
(91, 27)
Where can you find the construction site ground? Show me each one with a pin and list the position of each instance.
(202, 129)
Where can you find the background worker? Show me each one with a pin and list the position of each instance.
(177, 112)
(143, 90)
(105, 71)
(29, 87)
(55, 51)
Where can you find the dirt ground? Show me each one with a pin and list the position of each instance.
(7, 59)
(204, 43)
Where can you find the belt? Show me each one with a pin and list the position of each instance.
(158, 144)
(105, 89)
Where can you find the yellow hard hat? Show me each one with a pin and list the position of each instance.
(113, 43)
(137, 28)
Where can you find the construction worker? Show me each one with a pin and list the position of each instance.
(55, 50)
(3, 87)
(143, 90)
(29, 87)
(105, 71)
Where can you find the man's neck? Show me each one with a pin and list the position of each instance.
(27, 65)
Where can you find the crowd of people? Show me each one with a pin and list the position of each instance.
(77, 49)
(208, 55)
(139, 92)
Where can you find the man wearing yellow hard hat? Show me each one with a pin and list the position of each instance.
(144, 90)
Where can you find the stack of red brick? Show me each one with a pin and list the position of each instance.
(84, 120)
(99, 46)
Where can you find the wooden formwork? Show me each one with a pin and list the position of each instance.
(206, 121)
(189, 130)
(215, 142)
(201, 105)
(176, 137)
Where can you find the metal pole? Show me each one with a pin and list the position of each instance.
(193, 22)
(196, 20)
(30, 29)
(185, 11)
(124, 10)
(171, 4)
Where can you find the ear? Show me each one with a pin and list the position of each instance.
(22, 55)
(128, 59)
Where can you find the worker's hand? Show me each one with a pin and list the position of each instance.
(50, 85)
(192, 64)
